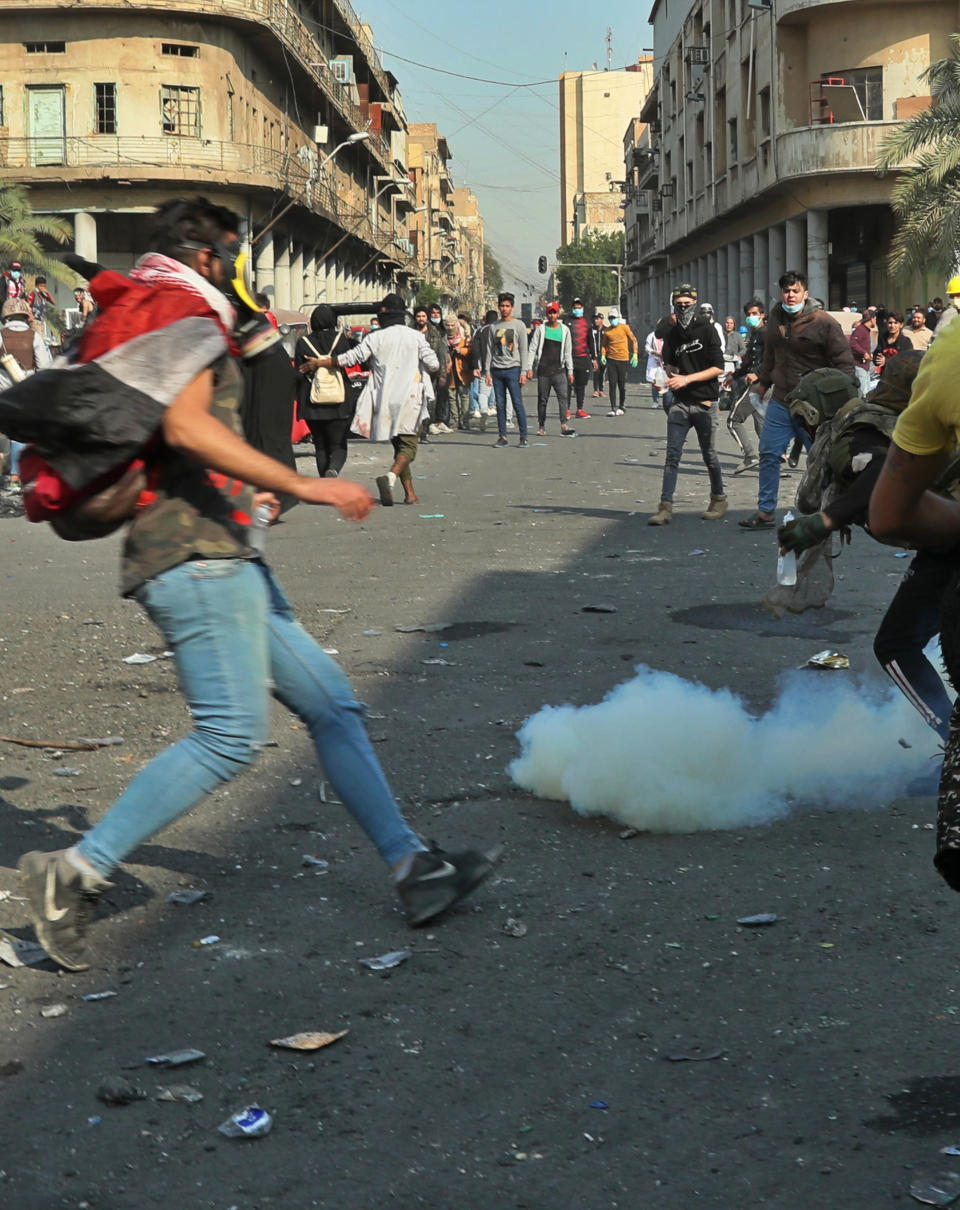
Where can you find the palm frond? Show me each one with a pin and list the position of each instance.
(940, 124)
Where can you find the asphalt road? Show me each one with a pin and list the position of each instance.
(635, 1047)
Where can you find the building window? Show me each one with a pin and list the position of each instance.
(765, 112)
(180, 110)
(868, 84)
(45, 48)
(105, 106)
(177, 48)
(3, 108)
(734, 152)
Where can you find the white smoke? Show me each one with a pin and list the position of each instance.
(662, 754)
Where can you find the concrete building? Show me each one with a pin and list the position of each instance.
(468, 226)
(280, 110)
(595, 106)
(433, 227)
(765, 123)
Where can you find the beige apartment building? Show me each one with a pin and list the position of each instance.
(764, 126)
(280, 110)
(468, 225)
(595, 106)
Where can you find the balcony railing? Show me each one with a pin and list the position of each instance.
(279, 17)
(172, 157)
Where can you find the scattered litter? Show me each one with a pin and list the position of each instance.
(953, 1149)
(91, 996)
(599, 609)
(629, 833)
(533, 664)
(251, 1122)
(183, 1093)
(296, 781)
(444, 663)
(9, 895)
(177, 1058)
(940, 1190)
(693, 553)
(187, 898)
(15, 952)
(514, 927)
(67, 771)
(759, 920)
(323, 785)
(118, 1090)
(316, 863)
(95, 1120)
(904, 743)
(333, 611)
(431, 516)
(901, 554)
(211, 940)
(828, 659)
(331, 651)
(53, 1010)
(371, 634)
(308, 1041)
(426, 627)
(139, 657)
(599, 1105)
(694, 1056)
(386, 962)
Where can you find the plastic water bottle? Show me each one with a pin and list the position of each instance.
(660, 378)
(787, 564)
(257, 533)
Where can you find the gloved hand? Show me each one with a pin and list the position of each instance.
(802, 533)
(634, 361)
(603, 359)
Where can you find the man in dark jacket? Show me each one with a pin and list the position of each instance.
(800, 336)
(584, 357)
(693, 359)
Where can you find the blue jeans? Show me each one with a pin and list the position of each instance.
(504, 381)
(232, 631)
(779, 430)
(16, 449)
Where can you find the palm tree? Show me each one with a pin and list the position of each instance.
(21, 233)
(926, 197)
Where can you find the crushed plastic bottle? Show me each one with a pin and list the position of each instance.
(251, 1122)
(787, 563)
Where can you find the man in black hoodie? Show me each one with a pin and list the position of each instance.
(693, 359)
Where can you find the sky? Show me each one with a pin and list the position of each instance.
(504, 137)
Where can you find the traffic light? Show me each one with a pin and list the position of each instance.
(542, 265)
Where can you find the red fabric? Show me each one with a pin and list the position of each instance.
(129, 308)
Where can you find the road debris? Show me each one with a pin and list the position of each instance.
(426, 627)
(315, 863)
(442, 662)
(598, 609)
(177, 1058)
(694, 1055)
(91, 996)
(185, 1094)
(308, 1041)
(70, 745)
(943, 1189)
(759, 920)
(53, 1010)
(828, 659)
(251, 1122)
(386, 962)
(187, 898)
(15, 952)
(67, 771)
(118, 1090)
(140, 657)
(213, 939)
(515, 927)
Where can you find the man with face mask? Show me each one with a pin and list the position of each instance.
(13, 278)
(693, 358)
(581, 336)
(800, 336)
(191, 560)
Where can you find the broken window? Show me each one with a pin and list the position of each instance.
(180, 110)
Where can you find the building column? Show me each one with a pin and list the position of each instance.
(713, 288)
(818, 256)
(746, 273)
(796, 246)
(264, 268)
(776, 261)
(282, 272)
(310, 275)
(296, 276)
(723, 266)
(761, 265)
(85, 235)
(733, 273)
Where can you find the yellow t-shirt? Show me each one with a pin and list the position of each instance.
(931, 422)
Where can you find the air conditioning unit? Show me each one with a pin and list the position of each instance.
(321, 134)
(698, 54)
(342, 69)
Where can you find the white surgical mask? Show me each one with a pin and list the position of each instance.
(753, 321)
(792, 308)
(578, 311)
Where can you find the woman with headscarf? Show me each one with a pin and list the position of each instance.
(329, 423)
(27, 348)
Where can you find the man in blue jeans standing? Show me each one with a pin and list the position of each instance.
(800, 336)
(506, 366)
(188, 559)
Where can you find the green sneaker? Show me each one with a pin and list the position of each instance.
(61, 901)
(437, 880)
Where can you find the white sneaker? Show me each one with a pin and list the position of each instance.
(444, 428)
(612, 412)
(434, 429)
(620, 412)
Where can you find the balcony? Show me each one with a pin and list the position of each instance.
(275, 15)
(819, 150)
(199, 161)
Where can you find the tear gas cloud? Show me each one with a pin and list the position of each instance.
(663, 754)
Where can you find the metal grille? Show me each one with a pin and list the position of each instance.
(105, 104)
(180, 111)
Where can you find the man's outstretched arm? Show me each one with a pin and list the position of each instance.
(902, 506)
